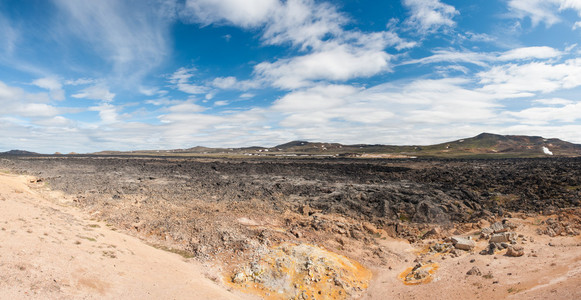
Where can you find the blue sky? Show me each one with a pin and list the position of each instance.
(85, 76)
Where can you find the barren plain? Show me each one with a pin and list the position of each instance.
(285, 228)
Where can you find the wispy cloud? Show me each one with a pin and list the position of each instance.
(131, 35)
(430, 15)
(543, 11)
(96, 92)
(181, 80)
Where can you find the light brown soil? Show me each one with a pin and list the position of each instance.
(555, 272)
(51, 251)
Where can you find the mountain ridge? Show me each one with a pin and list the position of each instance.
(482, 145)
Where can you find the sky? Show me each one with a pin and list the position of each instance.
(85, 76)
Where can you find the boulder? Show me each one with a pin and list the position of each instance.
(433, 233)
(498, 227)
(504, 237)
(515, 251)
(474, 271)
(487, 230)
(463, 243)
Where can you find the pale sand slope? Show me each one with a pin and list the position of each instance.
(51, 251)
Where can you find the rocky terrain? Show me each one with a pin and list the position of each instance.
(255, 220)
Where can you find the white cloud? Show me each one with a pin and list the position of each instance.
(186, 107)
(532, 77)
(569, 112)
(430, 15)
(576, 25)
(483, 59)
(336, 63)
(53, 85)
(303, 23)
(553, 101)
(543, 11)
(247, 14)
(181, 78)
(36, 110)
(333, 53)
(543, 52)
(80, 81)
(96, 92)
(221, 103)
(231, 82)
(107, 112)
(17, 102)
(453, 56)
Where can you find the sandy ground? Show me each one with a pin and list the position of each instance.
(51, 251)
(555, 272)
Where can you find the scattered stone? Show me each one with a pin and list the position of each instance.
(474, 271)
(433, 233)
(472, 260)
(441, 247)
(503, 237)
(463, 243)
(515, 251)
(239, 278)
(487, 230)
(498, 227)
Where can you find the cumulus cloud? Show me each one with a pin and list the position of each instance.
(337, 63)
(430, 15)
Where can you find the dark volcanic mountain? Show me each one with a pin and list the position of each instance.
(18, 152)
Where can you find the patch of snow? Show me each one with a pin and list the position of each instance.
(547, 151)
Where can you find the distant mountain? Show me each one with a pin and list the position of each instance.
(18, 152)
(512, 144)
(483, 145)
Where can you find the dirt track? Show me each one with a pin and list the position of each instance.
(51, 251)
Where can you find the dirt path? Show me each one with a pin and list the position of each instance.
(51, 251)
